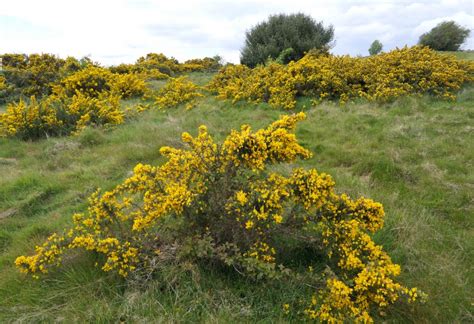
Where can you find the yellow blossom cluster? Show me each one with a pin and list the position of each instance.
(93, 81)
(34, 74)
(207, 64)
(416, 70)
(28, 120)
(128, 85)
(159, 66)
(3, 84)
(222, 202)
(59, 115)
(178, 91)
(90, 96)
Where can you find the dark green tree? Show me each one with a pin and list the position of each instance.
(375, 47)
(446, 36)
(298, 32)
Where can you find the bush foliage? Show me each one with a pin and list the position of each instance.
(34, 75)
(446, 36)
(94, 81)
(90, 96)
(383, 77)
(297, 33)
(59, 115)
(23, 76)
(221, 204)
(159, 66)
(177, 91)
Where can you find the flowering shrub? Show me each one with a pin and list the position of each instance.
(90, 96)
(221, 203)
(207, 64)
(58, 115)
(28, 75)
(143, 72)
(94, 81)
(157, 62)
(91, 82)
(29, 120)
(3, 85)
(384, 77)
(128, 85)
(177, 91)
(159, 66)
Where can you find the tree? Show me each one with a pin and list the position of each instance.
(376, 47)
(446, 36)
(295, 34)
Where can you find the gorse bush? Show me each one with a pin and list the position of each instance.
(31, 119)
(217, 203)
(94, 81)
(150, 67)
(384, 77)
(33, 75)
(91, 82)
(128, 85)
(158, 62)
(207, 64)
(178, 91)
(297, 32)
(90, 96)
(40, 75)
(263, 83)
(3, 84)
(159, 66)
(56, 115)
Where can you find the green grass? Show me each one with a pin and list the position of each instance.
(414, 155)
(463, 55)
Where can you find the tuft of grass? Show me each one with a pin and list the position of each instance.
(414, 155)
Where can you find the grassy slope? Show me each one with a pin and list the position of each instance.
(415, 156)
(463, 55)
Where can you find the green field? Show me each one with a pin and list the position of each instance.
(414, 155)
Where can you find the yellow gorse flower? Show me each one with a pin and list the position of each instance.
(59, 115)
(177, 91)
(90, 96)
(220, 202)
(406, 71)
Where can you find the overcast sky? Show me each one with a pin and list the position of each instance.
(118, 31)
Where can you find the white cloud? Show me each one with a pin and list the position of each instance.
(121, 31)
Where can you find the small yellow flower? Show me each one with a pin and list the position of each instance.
(241, 197)
(249, 224)
(277, 218)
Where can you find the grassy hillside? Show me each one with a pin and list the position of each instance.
(414, 155)
(463, 55)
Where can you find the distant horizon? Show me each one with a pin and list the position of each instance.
(114, 32)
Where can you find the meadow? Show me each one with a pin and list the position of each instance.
(414, 155)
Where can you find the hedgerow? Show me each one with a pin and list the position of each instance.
(407, 71)
(223, 204)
